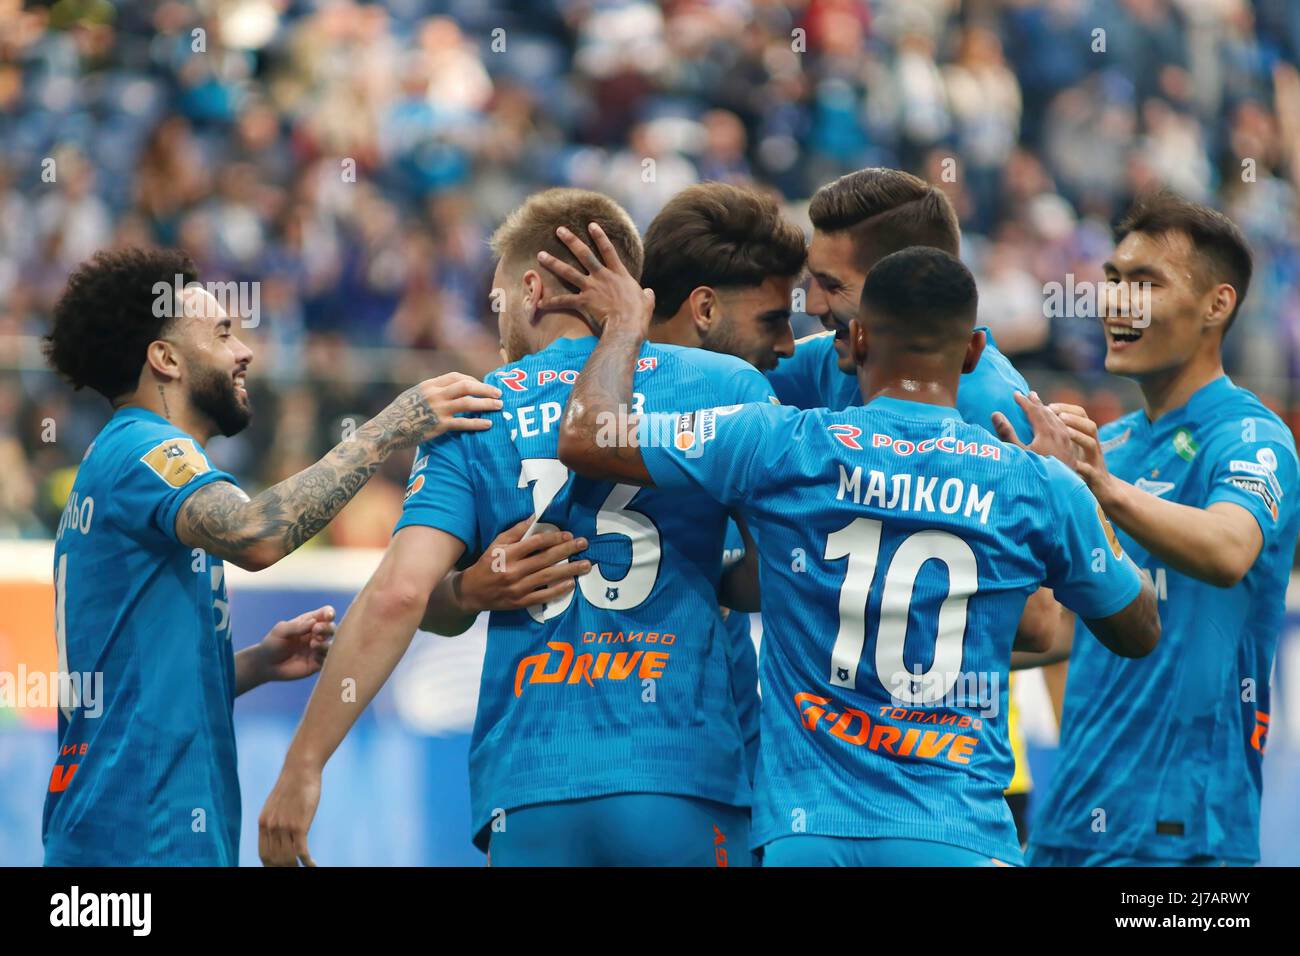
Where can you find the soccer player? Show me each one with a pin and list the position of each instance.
(722, 263)
(1164, 767)
(901, 541)
(857, 220)
(148, 775)
(606, 730)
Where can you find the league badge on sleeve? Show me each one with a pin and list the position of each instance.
(177, 461)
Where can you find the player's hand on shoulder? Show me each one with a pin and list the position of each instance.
(286, 818)
(517, 572)
(296, 648)
(1051, 438)
(429, 409)
(607, 292)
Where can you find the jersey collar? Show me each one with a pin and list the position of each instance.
(906, 409)
(1198, 407)
(136, 412)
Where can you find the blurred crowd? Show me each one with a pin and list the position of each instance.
(353, 158)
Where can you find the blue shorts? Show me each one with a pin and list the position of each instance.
(625, 829)
(807, 849)
(1040, 855)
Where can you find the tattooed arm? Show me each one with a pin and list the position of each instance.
(613, 301)
(255, 533)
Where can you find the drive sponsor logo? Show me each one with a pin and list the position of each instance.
(854, 727)
(571, 667)
(1259, 736)
(647, 363)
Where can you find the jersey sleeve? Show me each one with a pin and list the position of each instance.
(797, 380)
(1087, 567)
(440, 492)
(159, 475)
(715, 450)
(1259, 474)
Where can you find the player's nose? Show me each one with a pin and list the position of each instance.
(784, 344)
(817, 304)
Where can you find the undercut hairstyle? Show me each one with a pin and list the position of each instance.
(718, 235)
(1218, 243)
(530, 229)
(925, 297)
(885, 210)
(110, 311)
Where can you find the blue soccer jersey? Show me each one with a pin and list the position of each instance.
(744, 658)
(811, 378)
(624, 685)
(902, 544)
(146, 772)
(1161, 757)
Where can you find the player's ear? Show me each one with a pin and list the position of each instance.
(974, 350)
(1223, 299)
(163, 360)
(858, 343)
(704, 308)
(533, 289)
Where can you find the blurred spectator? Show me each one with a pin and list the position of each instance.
(352, 159)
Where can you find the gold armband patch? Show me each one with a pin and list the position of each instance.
(177, 461)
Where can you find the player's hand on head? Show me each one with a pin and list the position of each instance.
(431, 408)
(296, 648)
(517, 572)
(1050, 437)
(286, 818)
(607, 292)
(1090, 462)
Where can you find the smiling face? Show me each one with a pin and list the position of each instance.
(834, 288)
(753, 323)
(1184, 307)
(215, 362)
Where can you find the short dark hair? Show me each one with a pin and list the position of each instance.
(716, 234)
(1215, 238)
(108, 314)
(929, 295)
(886, 210)
(530, 229)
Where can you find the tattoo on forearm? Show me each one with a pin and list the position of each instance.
(223, 519)
(605, 384)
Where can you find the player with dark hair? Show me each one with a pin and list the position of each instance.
(1166, 767)
(857, 220)
(722, 262)
(150, 776)
(912, 524)
(606, 732)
